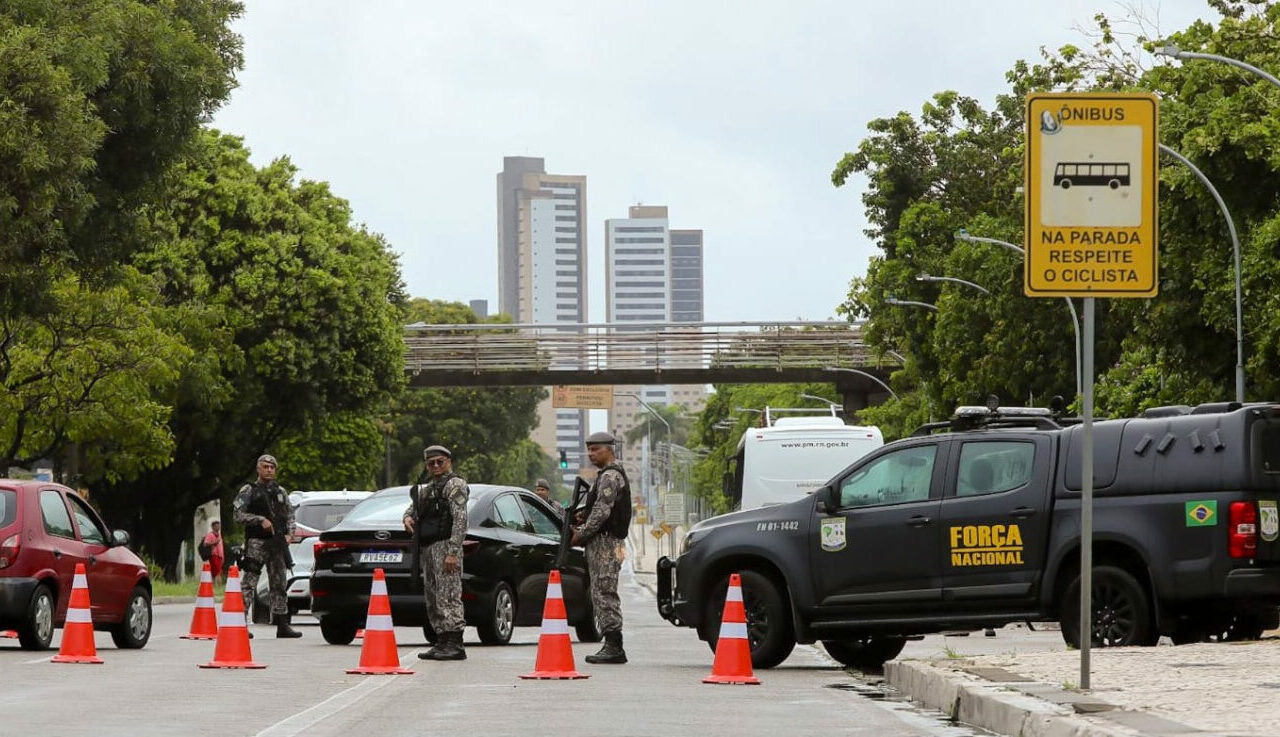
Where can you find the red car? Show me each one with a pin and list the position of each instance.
(45, 530)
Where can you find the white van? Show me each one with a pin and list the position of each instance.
(793, 456)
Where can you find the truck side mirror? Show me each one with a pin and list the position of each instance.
(830, 499)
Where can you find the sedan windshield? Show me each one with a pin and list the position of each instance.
(322, 516)
(387, 509)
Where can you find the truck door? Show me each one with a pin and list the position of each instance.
(881, 546)
(995, 519)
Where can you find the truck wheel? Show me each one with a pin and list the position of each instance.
(768, 619)
(865, 652)
(1121, 611)
(337, 631)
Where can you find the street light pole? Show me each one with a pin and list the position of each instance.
(953, 280)
(653, 412)
(909, 303)
(1071, 307)
(1173, 51)
(863, 374)
(1235, 246)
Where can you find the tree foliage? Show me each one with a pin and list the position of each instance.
(98, 98)
(486, 428)
(87, 370)
(958, 165)
(293, 315)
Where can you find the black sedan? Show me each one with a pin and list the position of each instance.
(510, 549)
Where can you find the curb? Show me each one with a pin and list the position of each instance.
(1001, 706)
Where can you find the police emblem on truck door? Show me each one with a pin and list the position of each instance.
(1268, 520)
(832, 535)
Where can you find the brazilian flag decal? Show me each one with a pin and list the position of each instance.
(1202, 514)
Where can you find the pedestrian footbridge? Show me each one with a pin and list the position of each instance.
(496, 354)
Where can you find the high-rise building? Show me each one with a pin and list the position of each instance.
(542, 274)
(653, 275)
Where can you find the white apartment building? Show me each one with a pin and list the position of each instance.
(542, 275)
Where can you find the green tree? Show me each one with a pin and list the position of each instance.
(86, 372)
(97, 100)
(486, 428)
(341, 450)
(673, 416)
(294, 316)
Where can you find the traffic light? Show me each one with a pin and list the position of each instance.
(564, 460)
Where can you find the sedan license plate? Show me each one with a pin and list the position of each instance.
(381, 556)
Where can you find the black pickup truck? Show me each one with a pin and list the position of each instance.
(976, 523)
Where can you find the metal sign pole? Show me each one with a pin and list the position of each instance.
(1086, 501)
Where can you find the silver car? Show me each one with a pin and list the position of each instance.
(314, 512)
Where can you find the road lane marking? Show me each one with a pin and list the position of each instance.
(307, 718)
(39, 660)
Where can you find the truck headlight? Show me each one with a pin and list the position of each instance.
(688, 542)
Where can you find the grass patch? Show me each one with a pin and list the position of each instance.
(952, 654)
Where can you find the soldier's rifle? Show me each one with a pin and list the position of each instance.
(415, 550)
(580, 489)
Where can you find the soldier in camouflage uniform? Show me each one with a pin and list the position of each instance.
(441, 561)
(604, 519)
(264, 510)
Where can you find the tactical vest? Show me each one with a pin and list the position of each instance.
(434, 514)
(620, 516)
(260, 504)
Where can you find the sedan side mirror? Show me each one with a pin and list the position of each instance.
(119, 538)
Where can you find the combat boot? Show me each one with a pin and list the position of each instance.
(283, 629)
(611, 653)
(448, 648)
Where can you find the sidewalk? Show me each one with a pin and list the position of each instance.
(1227, 689)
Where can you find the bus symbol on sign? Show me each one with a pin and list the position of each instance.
(1070, 174)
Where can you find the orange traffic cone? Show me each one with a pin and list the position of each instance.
(77, 633)
(733, 651)
(555, 654)
(379, 655)
(204, 620)
(232, 648)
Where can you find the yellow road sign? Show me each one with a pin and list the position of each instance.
(657, 533)
(1092, 161)
(666, 528)
(579, 396)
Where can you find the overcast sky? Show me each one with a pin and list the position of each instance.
(731, 113)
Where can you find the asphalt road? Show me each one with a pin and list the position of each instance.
(160, 691)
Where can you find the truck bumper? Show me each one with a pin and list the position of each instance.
(674, 609)
(1253, 583)
(666, 605)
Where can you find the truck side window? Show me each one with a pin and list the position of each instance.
(898, 477)
(992, 467)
